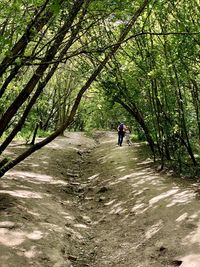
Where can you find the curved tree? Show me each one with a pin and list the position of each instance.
(51, 52)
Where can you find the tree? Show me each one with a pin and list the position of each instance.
(72, 27)
(154, 71)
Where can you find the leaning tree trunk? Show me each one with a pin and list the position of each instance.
(133, 110)
(40, 88)
(24, 94)
(33, 28)
(91, 79)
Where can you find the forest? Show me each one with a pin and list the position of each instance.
(83, 65)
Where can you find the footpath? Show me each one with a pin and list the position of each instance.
(87, 202)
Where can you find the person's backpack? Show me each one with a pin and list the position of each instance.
(121, 127)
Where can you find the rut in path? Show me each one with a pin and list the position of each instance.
(140, 217)
(75, 204)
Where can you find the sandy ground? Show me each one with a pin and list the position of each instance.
(87, 202)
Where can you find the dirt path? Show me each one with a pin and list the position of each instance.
(79, 203)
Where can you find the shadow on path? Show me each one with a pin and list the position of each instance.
(79, 203)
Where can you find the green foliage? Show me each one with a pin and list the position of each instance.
(154, 75)
(55, 6)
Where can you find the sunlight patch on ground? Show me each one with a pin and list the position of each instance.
(107, 181)
(35, 235)
(117, 209)
(80, 225)
(145, 162)
(114, 183)
(154, 229)
(137, 193)
(193, 237)
(110, 202)
(119, 204)
(125, 177)
(120, 167)
(162, 196)
(134, 159)
(24, 186)
(7, 224)
(134, 192)
(36, 178)
(146, 175)
(86, 218)
(182, 197)
(192, 260)
(4, 185)
(194, 216)
(59, 182)
(33, 213)
(24, 174)
(93, 176)
(182, 217)
(144, 178)
(67, 216)
(31, 253)
(143, 170)
(141, 176)
(138, 207)
(22, 193)
(13, 237)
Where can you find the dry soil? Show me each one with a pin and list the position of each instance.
(84, 201)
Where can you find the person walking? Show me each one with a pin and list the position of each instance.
(121, 132)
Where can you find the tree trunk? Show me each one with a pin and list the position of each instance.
(34, 134)
(70, 118)
(133, 110)
(24, 94)
(33, 28)
(40, 88)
